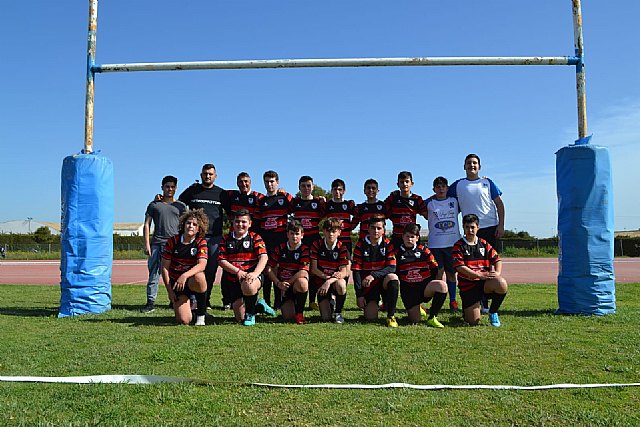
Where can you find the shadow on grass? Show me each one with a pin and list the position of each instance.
(29, 312)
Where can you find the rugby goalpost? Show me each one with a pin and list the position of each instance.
(586, 282)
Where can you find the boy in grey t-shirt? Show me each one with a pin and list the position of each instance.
(164, 214)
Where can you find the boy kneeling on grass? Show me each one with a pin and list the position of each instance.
(479, 268)
(288, 269)
(420, 278)
(329, 263)
(184, 259)
(243, 257)
(374, 266)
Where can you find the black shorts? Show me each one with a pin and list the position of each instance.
(473, 295)
(233, 290)
(316, 282)
(396, 241)
(373, 291)
(273, 240)
(413, 294)
(444, 258)
(185, 291)
(489, 234)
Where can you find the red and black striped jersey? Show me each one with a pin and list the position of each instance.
(364, 211)
(249, 201)
(289, 261)
(344, 211)
(368, 258)
(274, 213)
(415, 265)
(242, 253)
(329, 260)
(479, 258)
(404, 210)
(309, 213)
(183, 256)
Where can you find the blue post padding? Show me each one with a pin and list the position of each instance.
(586, 281)
(87, 235)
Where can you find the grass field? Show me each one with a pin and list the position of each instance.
(534, 347)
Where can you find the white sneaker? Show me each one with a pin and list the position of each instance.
(200, 321)
(337, 317)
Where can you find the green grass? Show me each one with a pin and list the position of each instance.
(534, 347)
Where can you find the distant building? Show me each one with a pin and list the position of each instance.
(29, 226)
(26, 226)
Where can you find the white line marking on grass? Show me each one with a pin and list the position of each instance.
(155, 379)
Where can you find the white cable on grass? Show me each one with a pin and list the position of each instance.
(158, 379)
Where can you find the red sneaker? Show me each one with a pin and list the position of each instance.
(453, 306)
(300, 319)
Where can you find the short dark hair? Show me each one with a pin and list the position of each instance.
(376, 218)
(332, 223)
(169, 178)
(243, 175)
(472, 156)
(241, 212)
(336, 182)
(440, 180)
(208, 166)
(295, 226)
(270, 174)
(470, 218)
(412, 229)
(371, 181)
(304, 178)
(404, 175)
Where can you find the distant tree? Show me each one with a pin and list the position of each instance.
(43, 235)
(510, 234)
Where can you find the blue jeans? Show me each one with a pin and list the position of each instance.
(212, 264)
(154, 262)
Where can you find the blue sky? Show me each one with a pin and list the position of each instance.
(327, 123)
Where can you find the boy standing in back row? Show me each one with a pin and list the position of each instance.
(444, 232)
(164, 214)
(403, 207)
(480, 196)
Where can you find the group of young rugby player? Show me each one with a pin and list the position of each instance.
(301, 248)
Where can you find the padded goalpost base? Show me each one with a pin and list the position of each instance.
(586, 280)
(86, 254)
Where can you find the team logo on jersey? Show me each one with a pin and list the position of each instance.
(451, 205)
(383, 250)
(246, 244)
(481, 251)
(194, 251)
(314, 205)
(344, 206)
(444, 225)
(365, 253)
(296, 256)
(417, 254)
(322, 253)
(331, 208)
(411, 202)
(250, 199)
(379, 207)
(281, 202)
(335, 255)
(237, 199)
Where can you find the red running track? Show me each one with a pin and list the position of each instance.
(515, 270)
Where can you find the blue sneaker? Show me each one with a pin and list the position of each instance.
(494, 320)
(270, 311)
(249, 319)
